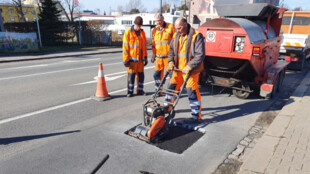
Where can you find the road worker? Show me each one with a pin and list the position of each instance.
(187, 53)
(135, 56)
(161, 37)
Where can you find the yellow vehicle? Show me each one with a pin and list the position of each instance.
(296, 22)
(295, 47)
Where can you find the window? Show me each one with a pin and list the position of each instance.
(33, 12)
(11, 11)
(296, 21)
(34, 19)
(26, 19)
(25, 11)
(126, 22)
(12, 19)
(150, 22)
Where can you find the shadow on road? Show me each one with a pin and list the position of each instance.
(5, 141)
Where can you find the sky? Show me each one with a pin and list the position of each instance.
(105, 5)
(151, 5)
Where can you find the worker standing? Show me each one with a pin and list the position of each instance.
(135, 56)
(161, 37)
(187, 53)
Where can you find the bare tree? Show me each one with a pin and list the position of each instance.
(297, 9)
(165, 7)
(135, 4)
(97, 11)
(18, 4)
(120, 9)
(69, 8)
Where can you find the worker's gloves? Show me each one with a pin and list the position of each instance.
(186, 70)
(126, 64)
(170, 66)
(153, 58)
(145, 61)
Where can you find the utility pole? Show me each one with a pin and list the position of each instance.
(80, 28)
(189, 12)
(184, 13)
(160, 6)
(38, 26)
(1, 22)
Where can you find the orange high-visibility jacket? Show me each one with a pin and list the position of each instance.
(161, 40)
(182, 46)
(134, 47)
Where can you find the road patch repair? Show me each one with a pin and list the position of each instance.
(158, 127)
(177, 140)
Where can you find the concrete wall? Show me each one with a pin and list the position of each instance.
(18, 42)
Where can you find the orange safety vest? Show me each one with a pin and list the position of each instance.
(184, 50)
(134, 47)
(161, 40)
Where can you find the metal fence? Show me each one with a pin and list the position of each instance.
(90, 35)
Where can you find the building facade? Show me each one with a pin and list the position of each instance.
(10, 13)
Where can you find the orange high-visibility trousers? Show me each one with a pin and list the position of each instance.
(192, 89)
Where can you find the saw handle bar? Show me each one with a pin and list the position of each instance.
(163, 81)
(153, 100)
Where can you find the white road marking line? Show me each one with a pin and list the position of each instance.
(122, 72)
(42, 111)
(85, 83)
(21, 67)
(51, 72)
(58, 107)
(107, 78)
(125, 89)
(64, 61)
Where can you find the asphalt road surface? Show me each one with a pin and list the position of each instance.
(49, 124)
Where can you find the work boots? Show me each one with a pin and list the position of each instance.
(141, 93)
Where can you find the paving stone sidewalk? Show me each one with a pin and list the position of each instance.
(285, 146)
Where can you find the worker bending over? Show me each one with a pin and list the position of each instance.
(187, 52)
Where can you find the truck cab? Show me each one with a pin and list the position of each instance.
(295, 47)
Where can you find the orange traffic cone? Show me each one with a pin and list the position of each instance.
(101, 92)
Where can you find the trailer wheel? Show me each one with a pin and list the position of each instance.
(302, 63)
(242, 94)
(281, 78)
(275, 87)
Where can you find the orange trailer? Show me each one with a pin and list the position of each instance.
(242, 48)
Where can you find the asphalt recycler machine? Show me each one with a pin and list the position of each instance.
(157, 116)
(242, 49)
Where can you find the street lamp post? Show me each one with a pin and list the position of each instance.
(1, 22)
(37, 19)
(160, 6)
(80, 28)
